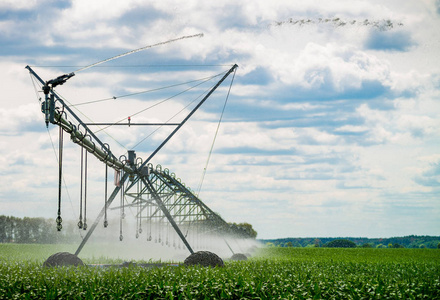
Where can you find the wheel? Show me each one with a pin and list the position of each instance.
(63, 259)
(238, 256)
(205, 259)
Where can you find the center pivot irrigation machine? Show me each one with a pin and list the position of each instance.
(160, 198)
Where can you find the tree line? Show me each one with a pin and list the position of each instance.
(43, 231)
(411, 241)
(35, 230)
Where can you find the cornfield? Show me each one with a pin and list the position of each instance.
(271, 273)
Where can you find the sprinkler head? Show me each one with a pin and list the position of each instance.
(59, 221)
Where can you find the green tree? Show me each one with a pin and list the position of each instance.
(3, 234)
(317, 242)
(342, 243)
(297, 244)
(289, 244)
(246, 228)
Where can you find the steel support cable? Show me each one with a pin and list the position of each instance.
(132, 66)
(80, 138)
(103, 129)
(212, 146)
(85, 134)
(68, 125)
(143, 92)
(85, 116)
(176, 113)
(35, 88)
(63, 78)
(162, 101)
(215, 135)
(159, 127)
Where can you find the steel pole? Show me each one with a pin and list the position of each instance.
(189, 115)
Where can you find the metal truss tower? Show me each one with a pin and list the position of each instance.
(158, 195)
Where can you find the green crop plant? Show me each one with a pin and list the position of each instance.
(275, 273)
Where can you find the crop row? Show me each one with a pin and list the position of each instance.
(279, 276)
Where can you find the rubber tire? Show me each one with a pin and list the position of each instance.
(63, 259)
(238, 256)
(205, 259)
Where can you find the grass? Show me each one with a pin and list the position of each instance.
(367, 255)
(279, 273)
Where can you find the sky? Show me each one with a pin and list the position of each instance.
(331, 127)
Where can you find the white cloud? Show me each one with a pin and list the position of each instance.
(319, 127)
(23, 117)
(18, 5)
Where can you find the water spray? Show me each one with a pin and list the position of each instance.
(173, 203)
(381, 25)
(138, 50)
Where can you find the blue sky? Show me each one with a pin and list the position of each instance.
(331, 127)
